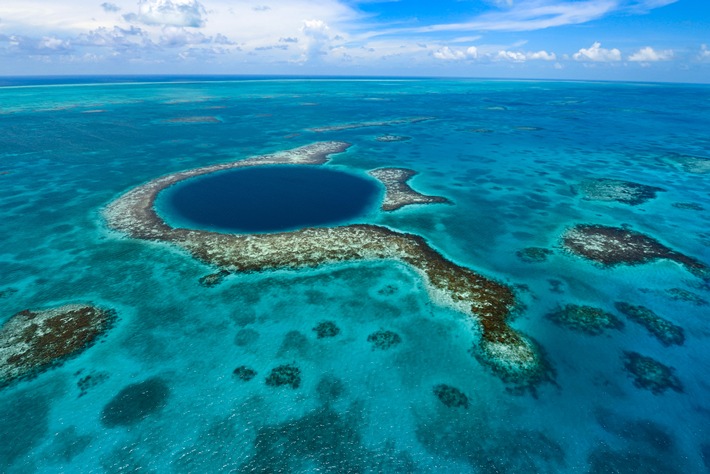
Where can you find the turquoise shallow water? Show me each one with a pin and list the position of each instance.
(509, 155)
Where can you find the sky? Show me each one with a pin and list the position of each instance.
(638, 40)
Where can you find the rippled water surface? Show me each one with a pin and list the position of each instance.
(160, 393)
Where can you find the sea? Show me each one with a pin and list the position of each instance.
(159, 392)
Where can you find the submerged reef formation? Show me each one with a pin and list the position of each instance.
(690, 163)
(679, 294)
(213, 279)
(287, 374)
(34, 341)
(611, 246)
(244, 373)
(326, 329)
(135, 402)
(624, 192)
(663, 330)
(384, 339)
(397, 192)
(507, 352)
(450, 396)
(586, 319)
(650, 374)
(533, 254)
(350, 126)
(392, 138)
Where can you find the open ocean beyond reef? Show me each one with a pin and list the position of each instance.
(512, 157)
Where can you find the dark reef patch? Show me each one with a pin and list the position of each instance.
(533, 254)
(662, 329)
(32, 342)
(611, 246)
(135, 402)
(586, 319)
(679, 294)
(625, 192)
(450, 396)
(244, 373)
(326, 329)
(287, 374)
(650, 374)
(691, 206)
(213, 279)
(91, 380)
(384, 339)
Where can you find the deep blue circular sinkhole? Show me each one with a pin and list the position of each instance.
(269, 199)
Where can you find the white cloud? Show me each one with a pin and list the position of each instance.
(519, 57)
(514, 56)
(447, 54)
(648, 55)
(185, 13)
(704, 54)
(110, 7)
(318, 37)
(597, 54)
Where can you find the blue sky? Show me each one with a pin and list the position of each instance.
(649, 40)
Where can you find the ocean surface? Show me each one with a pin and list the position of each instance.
(159, 393)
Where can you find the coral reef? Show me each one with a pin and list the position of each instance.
(533, 254)
(679, 294)
(383, 339)
(244, 373)
(90, 381)
(135, 402)
(611, 246)
(663, 330)
(213, 279)
(34, 341)
(690, 163)
(392, 138)
(650, 374)
(350, 126)
(450, 396)
(287, 374)
(692, 206)
(505, 350)
(625, 192)
(398, 193)
(586, 319)
(326, 329)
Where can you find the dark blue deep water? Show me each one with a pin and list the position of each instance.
(273, 198)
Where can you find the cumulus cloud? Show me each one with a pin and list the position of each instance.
(448, 54)
(597, 54)
(318, 34)
(648, 55)
(110, 7)
(519, 57)
(704, 54)
(181, 13)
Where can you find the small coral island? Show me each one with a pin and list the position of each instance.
(611, 246)
(398, 193)
(510, 354)
(34, 341)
